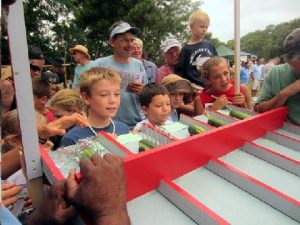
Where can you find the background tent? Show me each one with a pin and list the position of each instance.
(224, 51)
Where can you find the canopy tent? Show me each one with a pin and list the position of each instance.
(224, 51)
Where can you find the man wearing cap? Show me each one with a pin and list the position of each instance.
(171, 51)
(131, 71)
(82, 57)
(282, 85)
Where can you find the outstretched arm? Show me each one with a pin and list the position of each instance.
(279, 99)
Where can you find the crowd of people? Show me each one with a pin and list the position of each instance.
(117, 94)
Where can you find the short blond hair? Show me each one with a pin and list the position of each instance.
(68, 100)
(90, 77)
(138, 41)
(199, 16)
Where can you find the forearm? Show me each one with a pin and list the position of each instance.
(276, 102)
(10, 162)
(187, 109)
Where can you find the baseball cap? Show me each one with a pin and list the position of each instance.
(292, 41)
(122, 28)
(169, 43)
(50, 77)
(35, 52)
(80, 48)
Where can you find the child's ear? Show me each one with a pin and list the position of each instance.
(12, 140)
(44, 99)
(85, 98)
(145, 110)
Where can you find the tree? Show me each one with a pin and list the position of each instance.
(267, 43)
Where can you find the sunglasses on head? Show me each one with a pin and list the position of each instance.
(35, 68)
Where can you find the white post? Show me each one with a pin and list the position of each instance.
(23, 88)
(237, 46)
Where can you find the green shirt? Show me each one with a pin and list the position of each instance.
(278, 78)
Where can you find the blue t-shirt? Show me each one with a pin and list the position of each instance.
(244, 75)
(79, 70)
(191, 59)
(130, 108)
(77, 132)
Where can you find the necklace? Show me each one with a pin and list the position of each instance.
(95, 133)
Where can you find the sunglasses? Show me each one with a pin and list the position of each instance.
(35, 68)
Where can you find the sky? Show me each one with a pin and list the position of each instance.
(254, 15)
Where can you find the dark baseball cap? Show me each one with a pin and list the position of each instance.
(51, 78)
(35, 52)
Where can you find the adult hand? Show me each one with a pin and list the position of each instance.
(135, 87)
(220, 102)
(10, 193)
(53, 209)
(102, 191)
(59, 126)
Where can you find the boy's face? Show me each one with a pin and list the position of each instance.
(105, 98)
(40, 103)
(219, 78)
(123, 44)
(176, 99)
(199, 29)
(158, 110)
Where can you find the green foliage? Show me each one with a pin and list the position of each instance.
(267, 43)
(57, 25)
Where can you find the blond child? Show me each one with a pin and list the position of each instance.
(66, 102)
(181, 96)
(220, 89)
(156, 105)
(197, 50)
(100, 90)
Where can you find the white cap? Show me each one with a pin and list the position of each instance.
(169, 43)
(122, 28)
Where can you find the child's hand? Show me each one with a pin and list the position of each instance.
(239, 100)
(220, 102)
(10, 193)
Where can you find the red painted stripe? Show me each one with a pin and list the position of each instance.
(262, 148)
(285, 136)
(257, 182)
(113, 140)
(50, 164)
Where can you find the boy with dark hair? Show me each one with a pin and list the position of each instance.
(41, 94)
(156, 105)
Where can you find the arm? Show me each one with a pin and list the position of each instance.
(102, 191)
(59, 126)
(279, 99)
(10, 162)
(198, 107)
